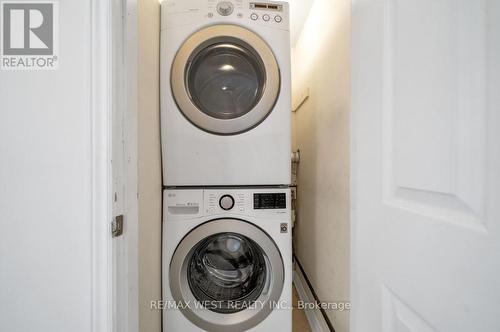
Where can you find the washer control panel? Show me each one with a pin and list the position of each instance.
(188, 204)
(271, 202)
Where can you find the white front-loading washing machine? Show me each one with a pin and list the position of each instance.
(227, 260)
(225, 93)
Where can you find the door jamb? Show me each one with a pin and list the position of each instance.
(100, 149)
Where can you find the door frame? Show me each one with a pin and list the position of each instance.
(114, 261)
(101, 187)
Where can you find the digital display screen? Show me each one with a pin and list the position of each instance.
(269, 201)
(266, 6)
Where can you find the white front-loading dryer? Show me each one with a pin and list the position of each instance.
(227, 260)
(225, 93)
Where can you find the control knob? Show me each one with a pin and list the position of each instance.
(226, 202)
(225, 8)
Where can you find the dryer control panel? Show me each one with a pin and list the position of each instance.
(266, 12)
(273, 14)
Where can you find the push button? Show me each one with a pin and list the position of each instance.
(278, 19)
(254, 17)
(266, 17)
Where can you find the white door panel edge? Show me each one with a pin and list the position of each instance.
(425, 166)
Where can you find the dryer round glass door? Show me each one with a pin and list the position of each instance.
(229, 272)
(225, 79)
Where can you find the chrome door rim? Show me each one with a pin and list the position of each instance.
(212, 321)
(225, 126)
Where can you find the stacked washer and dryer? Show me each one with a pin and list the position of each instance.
(226, 141)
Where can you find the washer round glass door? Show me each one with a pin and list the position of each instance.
(225, 79)
(228, 272)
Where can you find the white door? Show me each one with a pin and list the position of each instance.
(426, 166)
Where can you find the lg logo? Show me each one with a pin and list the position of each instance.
(29, 35)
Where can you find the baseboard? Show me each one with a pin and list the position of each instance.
(315, 317)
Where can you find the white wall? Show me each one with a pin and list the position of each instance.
(150, 181)
(321, 131)
(46, 187)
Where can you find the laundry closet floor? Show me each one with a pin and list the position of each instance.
(299, 321)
